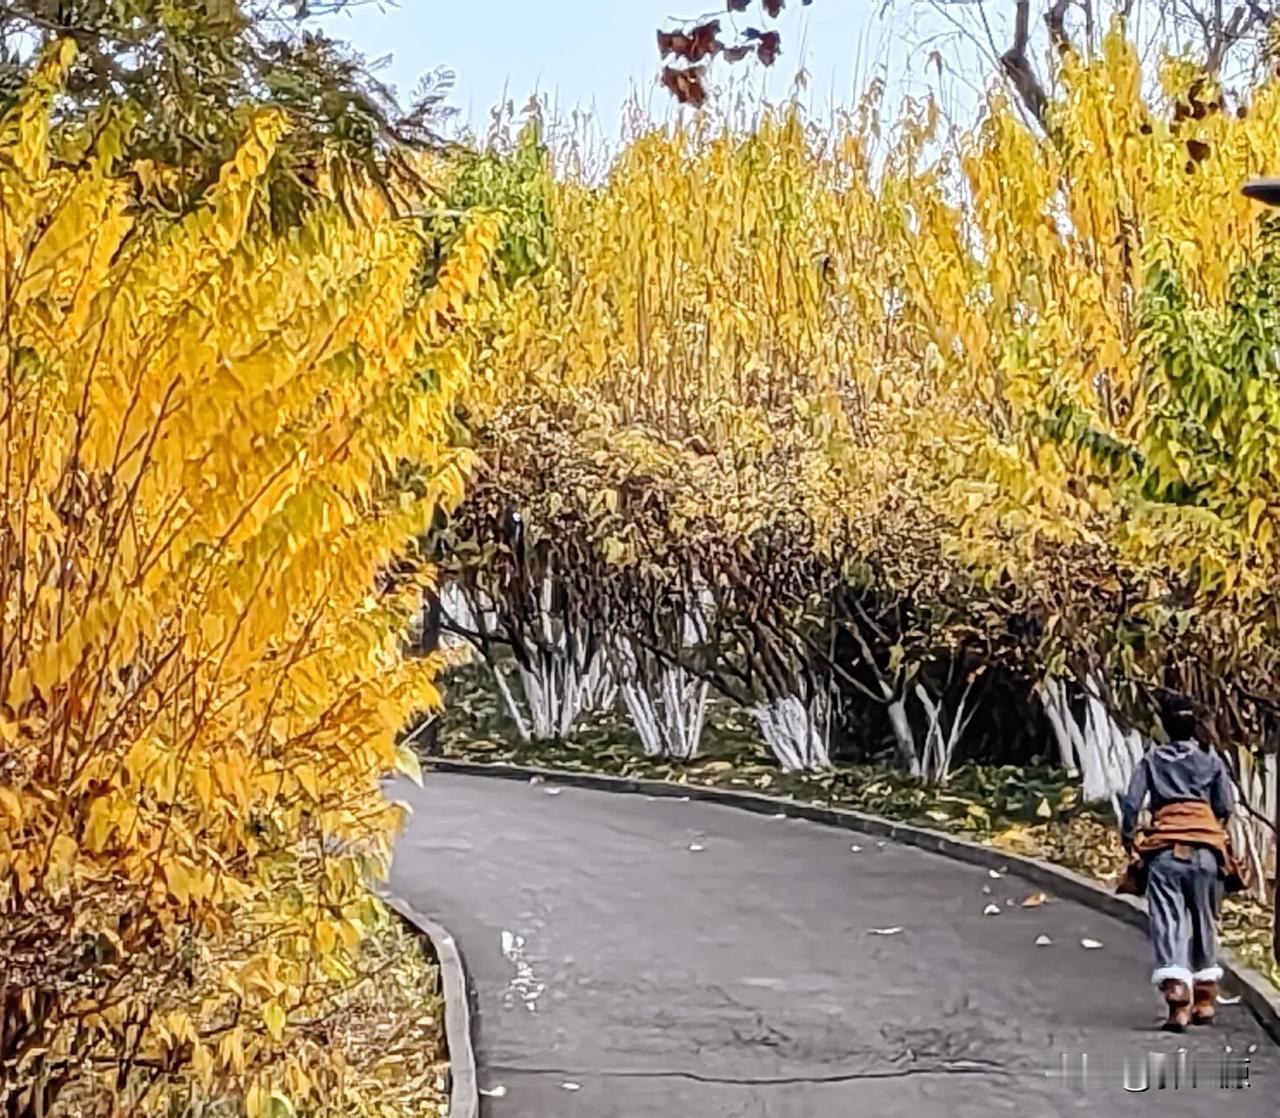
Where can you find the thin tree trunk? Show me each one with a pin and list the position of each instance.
(904, 736)
(796, 731)
(1057, 707)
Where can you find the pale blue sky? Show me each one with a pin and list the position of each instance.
(592, 53)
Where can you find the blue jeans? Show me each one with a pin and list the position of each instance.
(1184, 894)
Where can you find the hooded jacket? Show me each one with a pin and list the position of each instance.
(1176, 772)
(1191, 798)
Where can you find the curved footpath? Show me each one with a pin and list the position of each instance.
(642, 958)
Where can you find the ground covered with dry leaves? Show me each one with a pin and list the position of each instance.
(1028, 811)
(369, 1043)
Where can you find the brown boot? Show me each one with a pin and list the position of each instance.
(1204, 1008)
(1177, 996)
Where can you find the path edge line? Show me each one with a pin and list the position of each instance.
(1256, 991)
(464, 1087)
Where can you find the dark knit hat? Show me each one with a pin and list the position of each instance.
(1177, 714)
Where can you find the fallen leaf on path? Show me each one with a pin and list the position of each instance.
(1034, 901)
(856, 849)
(1043, 941)
(938, 816)
(493, 1092)
(554, 791)
(1223, 1000)
(1090, 944)
(986, 890)
(571, 1086)
(881, 845)
(991, 910)
(883, 931)
(995, 874)
(535, 780)
(696, 846)
(780, 815)
(1044, 810)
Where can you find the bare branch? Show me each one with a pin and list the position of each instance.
(1017, 66)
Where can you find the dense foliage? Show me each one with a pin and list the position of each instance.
(215, 439)
(189, 74)
(959, 438)
(919, 443)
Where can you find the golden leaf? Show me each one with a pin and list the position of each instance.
(274, 1017)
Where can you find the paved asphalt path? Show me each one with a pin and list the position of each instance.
(622, 973)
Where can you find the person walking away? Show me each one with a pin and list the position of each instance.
(1182, 861)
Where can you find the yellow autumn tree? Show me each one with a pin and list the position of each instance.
(213, 442)
(933, 341)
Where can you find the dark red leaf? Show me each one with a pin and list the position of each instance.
(736, 54)
(694, 45)
(686, 84)
(738, 5)
(705, 41)
(773, 8)
(672, 42)
(770, 47)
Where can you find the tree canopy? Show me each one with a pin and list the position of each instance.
(184, 75)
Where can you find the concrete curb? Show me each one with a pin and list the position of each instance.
(1255, 990)
(464, 1088)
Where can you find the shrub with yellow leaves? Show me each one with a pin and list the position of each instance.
(213, 441)
(1010, 382)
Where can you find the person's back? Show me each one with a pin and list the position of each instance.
(1177, 772)
(1189, 791)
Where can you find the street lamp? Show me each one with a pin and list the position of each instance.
(1263, 190)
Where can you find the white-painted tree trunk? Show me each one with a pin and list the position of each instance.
(1253, 838)
(454, 605)
(903, 735)
(1095, 747)
(667, 703)
(799, 734)
(1108, 753)
(1057, 708)
(940, 743)
(670, 722)
(558, 690)
(556, 685)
